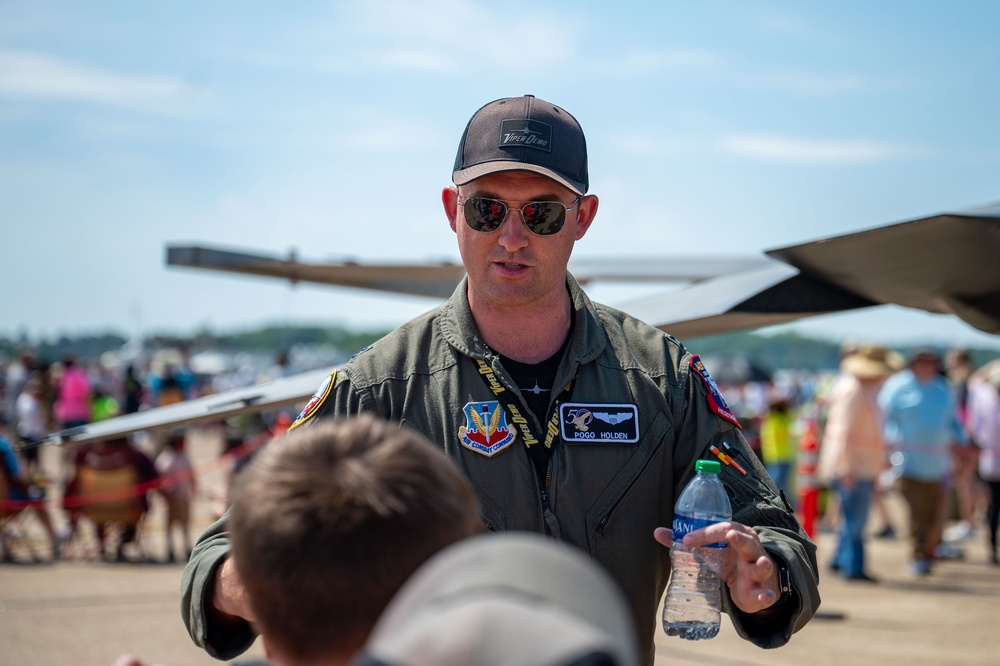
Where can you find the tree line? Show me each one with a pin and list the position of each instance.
(785, 350)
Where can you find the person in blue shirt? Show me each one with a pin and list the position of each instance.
(22, 494)
(922, 425)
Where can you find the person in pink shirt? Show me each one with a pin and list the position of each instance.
(72, 406)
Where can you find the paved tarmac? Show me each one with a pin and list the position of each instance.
(84, 611)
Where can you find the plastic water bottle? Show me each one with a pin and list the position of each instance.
(694, 599)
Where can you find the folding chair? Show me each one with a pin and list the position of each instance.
(122, 508)
(12, 523)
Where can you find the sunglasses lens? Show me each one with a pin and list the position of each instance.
(484, 214)
(544, 217)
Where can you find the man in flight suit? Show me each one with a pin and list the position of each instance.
(570, 418)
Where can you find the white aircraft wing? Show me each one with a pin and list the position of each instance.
(270, 395)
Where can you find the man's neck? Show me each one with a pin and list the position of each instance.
(528, 337)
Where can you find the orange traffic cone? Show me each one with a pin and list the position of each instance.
(808, 488)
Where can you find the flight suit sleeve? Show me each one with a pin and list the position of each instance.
(212, 547)
(197, 583)
(705, 421)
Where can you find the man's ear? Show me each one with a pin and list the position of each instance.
(449, 197)
(586, 212)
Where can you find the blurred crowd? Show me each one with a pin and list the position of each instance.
(38, 397)
(925, 426)
(837, 444)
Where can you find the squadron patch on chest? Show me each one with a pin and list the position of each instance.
(485, 431)
(598, 423)
(715, 400)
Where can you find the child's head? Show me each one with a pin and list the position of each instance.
(329, 521)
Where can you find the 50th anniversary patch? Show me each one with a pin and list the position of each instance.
(595, 423)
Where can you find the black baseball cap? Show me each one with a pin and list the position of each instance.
(523, 134)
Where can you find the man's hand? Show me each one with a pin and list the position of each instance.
(229, 597)
(749, 572)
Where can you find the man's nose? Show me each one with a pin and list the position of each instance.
(514, 233)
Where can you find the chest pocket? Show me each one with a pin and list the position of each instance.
(632, 499)
(507, 476)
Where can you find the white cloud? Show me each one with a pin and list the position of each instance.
(811, 151)
(418, 60)
(816, 84)
(787, 26)
(431, 21)
(645, 61)
(651, 144)
(390, 135)
(456, 36)
(39, 76)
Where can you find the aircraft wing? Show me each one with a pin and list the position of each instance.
(947, 263)
(270, 395)
(440, 279)
(773, 295)
(437, 280)
(944, 263)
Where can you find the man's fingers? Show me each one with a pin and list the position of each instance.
(663, 536)
(714, 533)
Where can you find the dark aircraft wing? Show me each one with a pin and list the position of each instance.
(418, 279)
(774, 295)
(947, 263)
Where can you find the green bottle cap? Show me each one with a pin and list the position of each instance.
(710, 466)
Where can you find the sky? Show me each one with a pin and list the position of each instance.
(329, 128)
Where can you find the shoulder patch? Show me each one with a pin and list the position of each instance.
(315, 402)
(359, 352)
(716, 403)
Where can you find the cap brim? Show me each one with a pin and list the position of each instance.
(467, 175)
(511, 598)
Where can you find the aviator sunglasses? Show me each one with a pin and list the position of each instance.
(543, 218)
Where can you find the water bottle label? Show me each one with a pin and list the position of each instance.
(684, 524)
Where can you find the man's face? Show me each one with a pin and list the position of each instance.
(512, 267)
(925, 369)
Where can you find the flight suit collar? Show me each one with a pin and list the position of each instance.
(459, 328)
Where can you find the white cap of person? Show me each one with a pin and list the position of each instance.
(505, 600)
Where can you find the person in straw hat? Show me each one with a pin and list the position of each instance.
(853, 452)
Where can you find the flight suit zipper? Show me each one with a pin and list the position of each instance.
(548, 517)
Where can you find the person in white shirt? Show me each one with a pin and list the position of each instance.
(983, 426)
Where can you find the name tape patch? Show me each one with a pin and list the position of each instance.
(586, 423)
